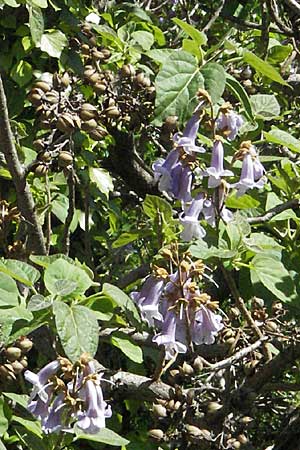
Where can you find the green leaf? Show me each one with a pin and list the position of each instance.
(2, 446)
(60, 206)
(39, 3)
(263, 67)
(243, 202)
(161, 55)
(143, 38)
(192, 32)
(272, 201)
(38, 302)
(191, 46)
(19, 399)
(53, 43)
(261, 243)
(176, 85)
(102, 179)
(235, 87)
(129, 348)
(265, 106)
(105, 436)
(45, 261)
(33, 426)
(21, 73)
(272, 274)
(154, 205)
(3, 419)
(20, 271)
(284, 138)
(9, 292)
(214, 80)
(124, 239)
(278, 53)
(201, 250)
(77, 328)
(36, 23)
(121, 299)
(61, 271)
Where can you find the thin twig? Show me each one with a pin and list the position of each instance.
(48, 216)
(273, 10)
(265, 24)
(24, 197)
(71, 210)
(291, 204)
(214, 17)
(293, 5)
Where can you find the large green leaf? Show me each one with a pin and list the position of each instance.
(53, 43)
(154, 205)
(21, 73)
(214, 80)
(36, 23)
(284, 138)
(263, 244)
(263, 67)
(9, 292)
(63, 278)
(3, 417)
(273, 275)
(120, 299)
(125, 238)
(77, 328)
(129, 348)
(102, 179)
(176, 85)
(265, 106)
(201, 250)
(235, 87)
(20, 271)
(105, 436)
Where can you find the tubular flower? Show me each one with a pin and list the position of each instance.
(167, 337)
(247, 180)
(216, 171)
(229, 124)
(188, 139)
(190, 220)
(163, 170)
(40, 380)
(206, 325)
(148, 299)
(182, 182)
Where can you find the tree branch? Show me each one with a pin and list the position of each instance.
(24, 197)
(291, 204)
(294, 5)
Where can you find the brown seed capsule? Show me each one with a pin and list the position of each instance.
(46, 124)
(213, 407)
(246, 420)
(45, 87)
(170, 404)
(40, 170)
(44, 156)
(174, 373)
(65, 80)
(94, 78)
(193, 432)
(156, 434)
(97, 55)
(159, 410)
(85, 49)
(24, 344)
(17, 367)
(187, 369)
(112, 112)
(236, 444)
(88, 112)
(93, 41)
(127, 70)
(142, 80)
(7, 372)
(230, 341)
(38, 144)
(206, 434)
(24, 362)
(242, 439)
(51, 97)
(13, 353)
(100, 88)
(98, 133)
(88, 71)
(66, 123)
(89, 125)
(198, 364)
(271, 326)
(35, 96)
(65, 159)
(106, 53)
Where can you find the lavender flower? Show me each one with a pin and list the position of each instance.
(167, 337)
(258, 168)
(216, 170)
(53, 422)
(40, 380)
(148, 299)
(206, 325)
(93, 418)
(190, 220)
(182, 182)
(247, 180)
(229, 124)
(162, 170)
(188, 139)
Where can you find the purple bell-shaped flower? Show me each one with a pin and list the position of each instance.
(190, 220)
(216, 171)
(247, 180)
(148, 299)
(229, 123)
(188, 139)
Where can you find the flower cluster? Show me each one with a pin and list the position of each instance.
(64, 394)
(181, 313)
(175, 174)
